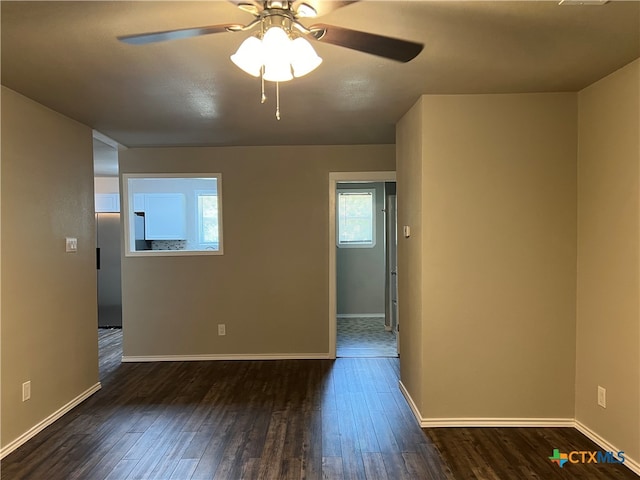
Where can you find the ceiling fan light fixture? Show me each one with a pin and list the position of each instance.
(279, 71)
(304, 58)
(277, 54)
(276, 47)
(276, 43)
(249, 56)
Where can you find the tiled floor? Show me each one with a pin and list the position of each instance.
(365, 337)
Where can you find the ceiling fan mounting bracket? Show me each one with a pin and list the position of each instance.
(275, 16)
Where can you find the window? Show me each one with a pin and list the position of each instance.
(356, 218)
(208, 230)
(172, 214)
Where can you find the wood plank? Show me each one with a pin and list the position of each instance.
(312, 446)
(184, 469)
(363, 423)
(230, 464)
(109, 461)
(271, 460)
(374, 466)
(332, 468)
(396, 469)
(212, 454)
(331, 446)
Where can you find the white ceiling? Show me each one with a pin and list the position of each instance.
(65, 55)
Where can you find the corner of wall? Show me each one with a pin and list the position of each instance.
(608, 282)
(48, 158)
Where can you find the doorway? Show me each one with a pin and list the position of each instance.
(108, 230)
(361, 321)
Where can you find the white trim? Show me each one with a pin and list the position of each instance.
(235, 356)
(33, 431)
(334, 179)
(497, 422)
(127, 211)
(630, 463)
(425, 422)
(360, 315)
(412, 404)
(101, 137)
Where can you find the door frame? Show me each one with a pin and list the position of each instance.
(334, 179)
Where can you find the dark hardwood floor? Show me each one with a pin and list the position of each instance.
(343, 419)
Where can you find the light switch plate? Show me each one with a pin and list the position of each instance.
(26, 391)
(602, 396)
(71, 245)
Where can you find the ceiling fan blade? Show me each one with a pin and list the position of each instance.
(151, 37)
(387, 47)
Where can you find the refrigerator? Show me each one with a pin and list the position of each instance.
(108, 264)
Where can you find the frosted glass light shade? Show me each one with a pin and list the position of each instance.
(276, 47)
(304, 58)
(281, 57)
(249, 56)
(277, 71)
(276, 43)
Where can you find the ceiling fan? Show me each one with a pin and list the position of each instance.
(277, 49)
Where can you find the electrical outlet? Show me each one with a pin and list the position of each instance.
(602, 396)
(71, 245)
(222, 329)
(26, 391)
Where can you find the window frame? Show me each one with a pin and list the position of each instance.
(200, 223)
(127, 202)
(372, 192)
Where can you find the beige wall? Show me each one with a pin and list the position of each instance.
(498, 181)
(270, 287)
(49, 318)
(608, 315)
(409, 145)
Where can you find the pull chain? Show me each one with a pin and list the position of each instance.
(263, 97)
(278, 100)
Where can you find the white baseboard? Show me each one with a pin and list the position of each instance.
(630, 463)
(198, 358)
(33, 431)
(360, 315)
(496, 422)
(425, 422)
(412, 404)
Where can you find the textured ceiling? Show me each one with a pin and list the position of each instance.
(187, 92)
